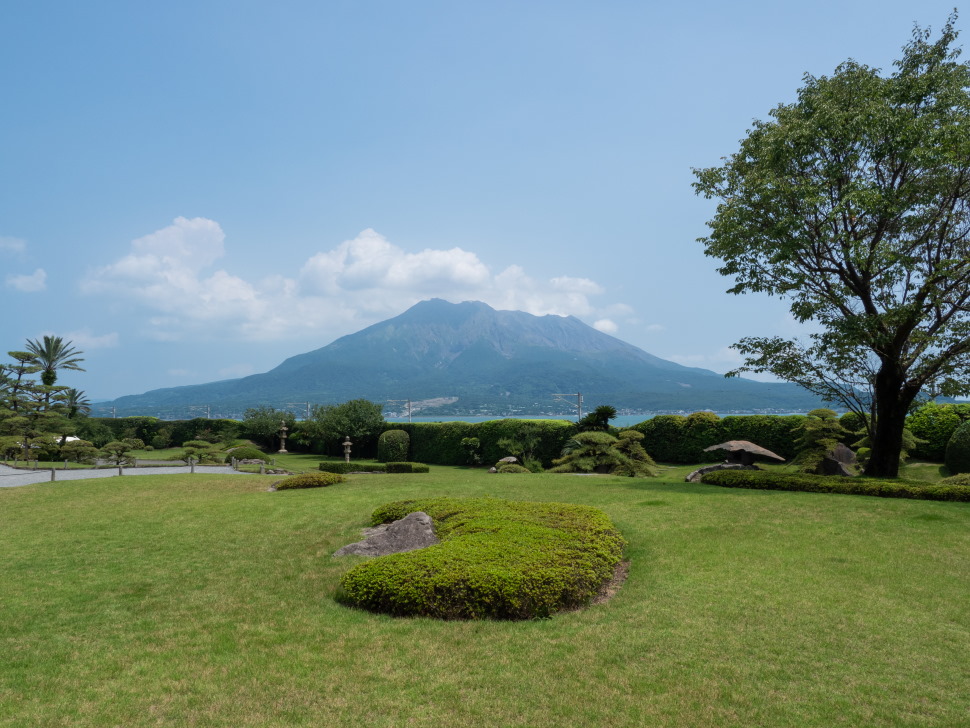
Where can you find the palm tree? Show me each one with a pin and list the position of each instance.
(53, 354)
(76, 402)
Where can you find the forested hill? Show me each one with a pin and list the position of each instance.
(482, 361)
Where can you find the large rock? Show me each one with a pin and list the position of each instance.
(414, 531)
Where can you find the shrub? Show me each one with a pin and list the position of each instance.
(957, 458)
(899, 488)
(600, 452)
(820, 432)
(473, 450)
(344, 467)
(962, 479)
(407, 468)
(933, 424)
(199, 451)
(246, 452)
(308, 480)
(79, 451)
(497, 559)
(512, 468)
(393, 446)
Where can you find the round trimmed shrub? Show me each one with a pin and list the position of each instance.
(497, 560)
(393, 446)
(308, 480)
(246, 452)
(957, 458)
(512, 468)
(962, 479)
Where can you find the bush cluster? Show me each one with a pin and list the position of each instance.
(246, 452)
(764, 480)
(344, 467)
(933, 425)
(512, 468)
(957, 458)
(497, 560)
(393, 446)
(308, 480)
(407, 468)
(440, 443)
(679, 439)
(962, 479)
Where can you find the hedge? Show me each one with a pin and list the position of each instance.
(439, 443)
(764, 480)
(497, 560)
(344, 467)
(407, 468)
(679, 439)
(308, 480)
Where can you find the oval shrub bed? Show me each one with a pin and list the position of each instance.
(308, 480)
(899, 488)
(497, 559)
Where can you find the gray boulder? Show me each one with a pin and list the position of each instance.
(414, 531)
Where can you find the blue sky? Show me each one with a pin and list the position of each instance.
(194, 191)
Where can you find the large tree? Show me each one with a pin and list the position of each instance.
(852, 203)
(53, 353)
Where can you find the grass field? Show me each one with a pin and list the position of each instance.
(208, 601)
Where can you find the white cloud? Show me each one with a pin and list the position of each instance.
(172, 272)
(12, 245)
(606, 326)
(36, 281)
(84, 339)
(656, 327)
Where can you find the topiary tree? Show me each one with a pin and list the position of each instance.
(393, 446)
(79, 451)
(630, 443)
(957, 458)
(118, 452)
(198, 451)
(523, 443)
(598, 452)
(818, 435)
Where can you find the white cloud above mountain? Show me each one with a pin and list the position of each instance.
(174, 273)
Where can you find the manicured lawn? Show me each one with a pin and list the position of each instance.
(208, 601)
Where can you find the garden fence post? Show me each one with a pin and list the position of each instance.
(53, 471)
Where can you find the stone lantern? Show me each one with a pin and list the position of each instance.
(283, 430)
(347, 445)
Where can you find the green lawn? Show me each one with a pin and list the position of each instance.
(208, 601)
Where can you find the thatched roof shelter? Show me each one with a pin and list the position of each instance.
(744, 452)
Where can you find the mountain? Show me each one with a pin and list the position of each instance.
(471, 359)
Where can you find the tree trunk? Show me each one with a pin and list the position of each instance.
(892, 405)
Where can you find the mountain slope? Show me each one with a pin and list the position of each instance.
(490, 360)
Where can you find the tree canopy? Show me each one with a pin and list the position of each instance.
(853, 203)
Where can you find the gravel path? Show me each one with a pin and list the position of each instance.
(12, 477)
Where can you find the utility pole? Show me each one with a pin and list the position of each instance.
(579, 402)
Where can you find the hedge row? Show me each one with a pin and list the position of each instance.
(764, 480)
(679, 439)
(439, 443)
(343, 468)
(497, 560)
